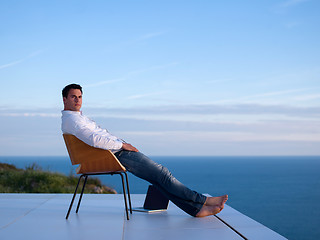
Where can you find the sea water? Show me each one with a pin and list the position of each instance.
(282, 193)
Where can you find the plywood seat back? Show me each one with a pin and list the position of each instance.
(91, 159)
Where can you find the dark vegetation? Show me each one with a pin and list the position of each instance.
(35, 180)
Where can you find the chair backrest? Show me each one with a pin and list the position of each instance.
(91, 159)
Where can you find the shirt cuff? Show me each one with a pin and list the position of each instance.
(118, 145)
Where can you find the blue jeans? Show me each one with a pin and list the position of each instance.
(143, 167)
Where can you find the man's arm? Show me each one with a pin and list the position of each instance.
(90, 133)
(129, 147)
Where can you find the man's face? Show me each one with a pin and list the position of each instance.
(74, 100)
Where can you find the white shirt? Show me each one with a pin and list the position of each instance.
(88, 131)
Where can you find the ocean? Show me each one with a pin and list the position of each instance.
(282, 193)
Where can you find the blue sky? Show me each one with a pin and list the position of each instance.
(171, 77)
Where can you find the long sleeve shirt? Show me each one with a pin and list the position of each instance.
(88, 131)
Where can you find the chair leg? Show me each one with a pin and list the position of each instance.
(126, 175)
(74, 195)
(125, 197)
(84, 184)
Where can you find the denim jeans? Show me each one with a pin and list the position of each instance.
(143, 167)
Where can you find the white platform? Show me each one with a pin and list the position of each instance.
(42, 216)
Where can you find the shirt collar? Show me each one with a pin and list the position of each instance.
(68, 112)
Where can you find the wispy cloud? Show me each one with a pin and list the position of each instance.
(277, 93)
(30, 114)
(290, 3)
(210, 113)
(213, 113)
(230, 136)
(134, 40)
(227, 126)
(137, 39)
(257, 97)
(11, 64)
(152, 68)
(151, 35)
(130, 74)
(291, 25)
(219, 80)
(97, 84)
(308, 97)
(21, 60)
(283, 7)
(138, 96)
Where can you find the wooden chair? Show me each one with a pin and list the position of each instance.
(94, 161)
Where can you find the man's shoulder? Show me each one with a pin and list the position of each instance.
(71, 116)
(70, 121)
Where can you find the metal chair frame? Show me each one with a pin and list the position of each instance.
(85, 175)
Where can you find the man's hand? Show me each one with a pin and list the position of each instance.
(129, 147)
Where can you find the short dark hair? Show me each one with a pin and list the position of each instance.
(66, 89)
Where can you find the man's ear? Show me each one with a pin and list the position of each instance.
(64, 99)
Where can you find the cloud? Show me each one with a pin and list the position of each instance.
(11, 64)
(173, 128)
(130, 74)
(290, 3)
(263, 95)
(219, 80)
(277, 93)
(308, 97)
(152, 68)
(21, 60)
(28, 113)
(97, 84)
(285, 6)
(143, 38)
(211, 113)
(188, 114)
(138, 96)
(234, 136)
(151, 35)
(139, 39)
(291, 25)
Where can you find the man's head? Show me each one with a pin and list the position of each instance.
(72, 97)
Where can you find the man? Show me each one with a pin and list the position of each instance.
(73, 122)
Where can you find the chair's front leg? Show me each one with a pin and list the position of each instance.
(84, 184)
(128, 192)
(74, 195)
(124, 195)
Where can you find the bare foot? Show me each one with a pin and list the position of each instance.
(211, 201)
(208, 210)
(212, 206)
